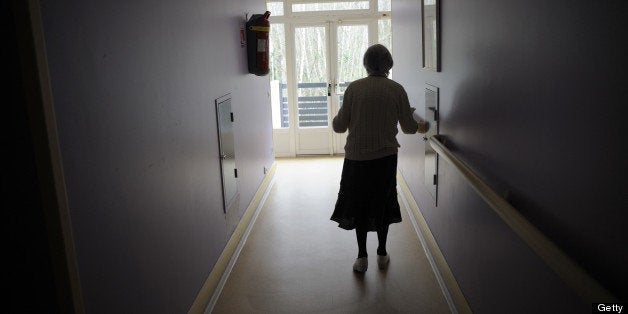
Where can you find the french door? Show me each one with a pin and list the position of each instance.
(327, 57)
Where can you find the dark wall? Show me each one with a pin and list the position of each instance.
(134, 84)
(532, 96)
(24, 224)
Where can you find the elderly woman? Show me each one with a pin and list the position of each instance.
(372, 107)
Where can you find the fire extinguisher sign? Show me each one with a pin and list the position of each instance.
(242, 35)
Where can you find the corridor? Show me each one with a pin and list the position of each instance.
(296, 260)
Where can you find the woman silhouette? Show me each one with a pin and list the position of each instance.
(372, 107)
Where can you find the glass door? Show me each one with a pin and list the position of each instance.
(312, 89)
(350, 42)
(321, 83)
(316, 50)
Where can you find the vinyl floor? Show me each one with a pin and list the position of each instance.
(296, 260)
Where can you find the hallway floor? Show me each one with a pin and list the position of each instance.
(296, 260)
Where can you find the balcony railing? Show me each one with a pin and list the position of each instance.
(313, 111)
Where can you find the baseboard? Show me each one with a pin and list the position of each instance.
(209, 293)
(449, 286)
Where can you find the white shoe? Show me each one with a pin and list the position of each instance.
(382, 261)
(361, 264)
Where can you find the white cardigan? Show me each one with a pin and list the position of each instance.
(371, 108)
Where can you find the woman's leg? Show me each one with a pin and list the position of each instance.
(382, 235)
(360, 233)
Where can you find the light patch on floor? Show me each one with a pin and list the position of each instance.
(296, 260)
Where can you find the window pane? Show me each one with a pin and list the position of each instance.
(311, 72)
(275, 8)
(384, 31)
(352, 43)
(330, 6)
(383, 5)
(278, 77)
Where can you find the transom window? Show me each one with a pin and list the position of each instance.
(330, 6)
(346, 7)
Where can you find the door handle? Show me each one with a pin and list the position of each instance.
(328, 89)
(223, 156)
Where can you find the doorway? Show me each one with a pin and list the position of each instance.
(315, 55)
(328, 57)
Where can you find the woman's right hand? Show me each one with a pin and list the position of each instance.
(424, 126)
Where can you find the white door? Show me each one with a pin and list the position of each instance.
(316, 50)
(312, 88)
(328, 56)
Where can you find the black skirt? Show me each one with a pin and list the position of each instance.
(368, 194)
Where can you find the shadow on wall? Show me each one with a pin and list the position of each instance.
(519, 137)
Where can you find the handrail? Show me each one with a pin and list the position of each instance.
(570, 272)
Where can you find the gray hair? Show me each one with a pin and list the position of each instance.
(378, 60)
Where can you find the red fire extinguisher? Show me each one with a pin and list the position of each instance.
(257, 29)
